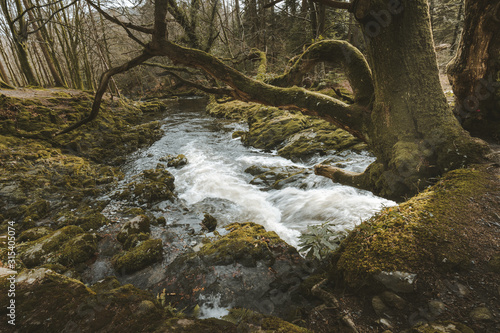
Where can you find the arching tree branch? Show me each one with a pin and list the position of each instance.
(339, 53)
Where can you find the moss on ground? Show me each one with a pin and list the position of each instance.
(435, 230)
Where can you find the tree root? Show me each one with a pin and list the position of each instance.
(338, 175)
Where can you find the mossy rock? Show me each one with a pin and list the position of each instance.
(106, 284)
(78, 250)
(51, 302)
(247, 320)
(423, 234)
(209, 222)
(134, 240)
(175, 161)
(147, 253)
(294, 135)
(46, 248)
(33, 234)
(139, 224)
(246, 243)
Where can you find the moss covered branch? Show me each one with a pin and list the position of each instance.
(337, 52)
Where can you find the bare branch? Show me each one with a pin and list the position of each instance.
(119, 22)
(103, 85)
(210, 90)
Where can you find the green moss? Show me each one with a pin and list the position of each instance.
(33, 234)
(147, 253)
(175, 161)
(245, 243)
(149, 187)
(106, 284)
(294, 135)
(420, 234)
(139, 224)
(78, 250)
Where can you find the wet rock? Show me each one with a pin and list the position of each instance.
(139, 224)
(397, 281)
(209, 222)
(277, 177)
(444, 327)
(147, 253)
(481, 314)
(175, 161)
(248, 267)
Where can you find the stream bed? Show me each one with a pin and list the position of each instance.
(218, 180)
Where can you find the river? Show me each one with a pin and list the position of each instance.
(215, 181)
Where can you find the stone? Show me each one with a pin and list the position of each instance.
(209, 222)
(379, 306)
(481, 314)
(393, 300)
(400, 282)
(436, 307)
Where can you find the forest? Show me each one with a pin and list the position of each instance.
(250, 165)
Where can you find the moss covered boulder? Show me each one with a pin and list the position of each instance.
(435, 248)
(139, 257)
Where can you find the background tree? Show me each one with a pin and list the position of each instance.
(475, 70)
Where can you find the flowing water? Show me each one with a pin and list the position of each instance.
(215, 180)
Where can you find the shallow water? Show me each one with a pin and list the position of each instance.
(214, 180)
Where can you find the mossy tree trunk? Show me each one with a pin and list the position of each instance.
(475, 70)
(399, 107)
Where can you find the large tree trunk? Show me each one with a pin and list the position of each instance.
(412, 131)
(475, 71)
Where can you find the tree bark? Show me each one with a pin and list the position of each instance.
(475, 71)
